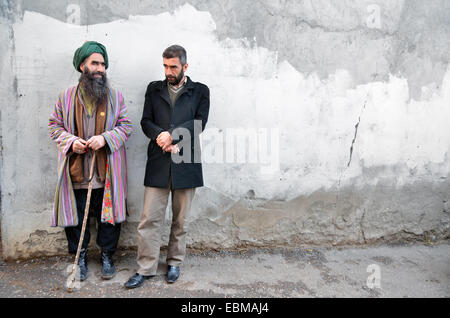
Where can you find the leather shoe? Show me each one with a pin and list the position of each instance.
(173, 272)
(82, 264)
(108, 268)
(136, 280)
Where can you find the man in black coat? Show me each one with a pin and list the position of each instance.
(175, 113)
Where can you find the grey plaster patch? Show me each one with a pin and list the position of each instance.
(314, 36)
(383, 260)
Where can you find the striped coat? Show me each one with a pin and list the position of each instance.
(118, 128)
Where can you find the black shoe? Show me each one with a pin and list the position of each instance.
(82, 264)
(108, 268)
(137, 280)
(173, 272)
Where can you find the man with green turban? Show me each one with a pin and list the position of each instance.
(90, 117)
(86, 50)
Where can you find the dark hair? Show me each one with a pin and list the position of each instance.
(175, 51)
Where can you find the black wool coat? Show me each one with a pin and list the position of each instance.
(185, 121)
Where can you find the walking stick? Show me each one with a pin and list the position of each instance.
(86, 213)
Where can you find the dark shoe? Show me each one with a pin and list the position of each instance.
(82, 264)
(136, 280)
(108, 268)
(173, 272)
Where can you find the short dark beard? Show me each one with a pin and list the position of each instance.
(177, 80)
(95, 88)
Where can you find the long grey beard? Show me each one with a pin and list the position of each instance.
(96, 88)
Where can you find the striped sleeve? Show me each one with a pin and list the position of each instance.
(57, 131)
(117, 137)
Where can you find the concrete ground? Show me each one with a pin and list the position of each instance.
(380, 271)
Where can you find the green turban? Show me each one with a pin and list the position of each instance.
(86, 50)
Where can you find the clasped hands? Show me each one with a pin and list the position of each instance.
(81, 146)
(164, 140)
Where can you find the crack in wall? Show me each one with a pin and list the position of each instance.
(361, 226)
(356, 132)
(351, 147)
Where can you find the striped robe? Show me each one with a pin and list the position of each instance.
(118, 128)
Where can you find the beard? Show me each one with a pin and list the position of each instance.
(175, 80)
(94, 87)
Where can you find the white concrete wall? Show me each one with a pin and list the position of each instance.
(349, 160)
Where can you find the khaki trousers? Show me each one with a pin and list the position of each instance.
(149, 229)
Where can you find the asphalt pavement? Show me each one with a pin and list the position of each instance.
(385, 271)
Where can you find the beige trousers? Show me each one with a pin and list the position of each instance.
(149, 229)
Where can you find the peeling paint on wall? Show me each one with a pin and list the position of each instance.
(371, 39)
(362, 142)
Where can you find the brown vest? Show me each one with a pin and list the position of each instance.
(76, 160)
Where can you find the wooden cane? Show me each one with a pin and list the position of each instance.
(83, 228)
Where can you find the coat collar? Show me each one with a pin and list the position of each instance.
(164, 90)
(189, 84)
